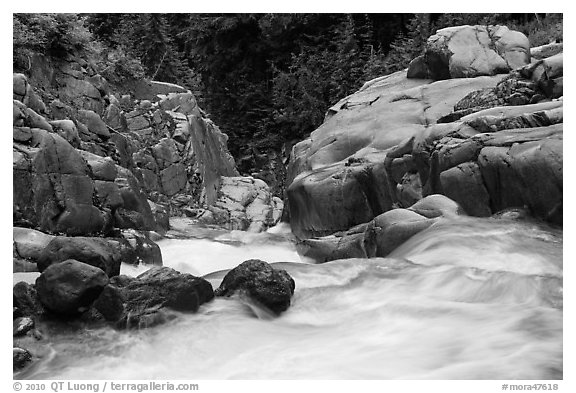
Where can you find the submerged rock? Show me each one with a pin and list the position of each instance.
(380, 236)
(70, 287)
(272, 288)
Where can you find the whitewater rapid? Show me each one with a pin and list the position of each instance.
(466, 299)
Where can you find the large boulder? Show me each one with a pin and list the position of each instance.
(97, 252)
(143, 301)
(269, 287)
(471, 51)
(70, 287)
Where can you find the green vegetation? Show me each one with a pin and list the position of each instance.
(264, 78)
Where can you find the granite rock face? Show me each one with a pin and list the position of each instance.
(471, 51)
(488, 138)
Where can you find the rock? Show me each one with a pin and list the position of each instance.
(145, 250)
(21, 326)
(161, 216)
(135, 212)
(265, 285)
(144, 300)
(418, 69)
(100, 83)
(471, 51)
(102, 168)
(544, 51)
(26, 300)
(108, 194)
(20, 358)
(340, 176)
(67, 130)
(70, 287)
(52, 189)
(94, 123)
(20, 86)
(30, 243)
(96, 252)
(547, 74)
(181, 102)
(34, 120)
(382, 235)
(437, 205)
(110, 303)
(173, 179)
(114, 117)
(395, 227)
(243, 203)
(80, 93)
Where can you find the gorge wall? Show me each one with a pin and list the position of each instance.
(478, 119)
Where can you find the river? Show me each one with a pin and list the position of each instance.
(468, 298)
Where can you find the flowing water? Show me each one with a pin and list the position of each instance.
(465, 299)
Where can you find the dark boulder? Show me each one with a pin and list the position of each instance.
(25, 299)
(70, 287)
(269, 287)
(20, 358)
(97, 252)
(146, 300)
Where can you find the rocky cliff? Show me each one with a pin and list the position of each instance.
(477, 119)
(95, 159)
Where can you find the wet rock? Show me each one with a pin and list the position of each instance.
(145, 251)
(21, 326)
(265, 285)
(25, 299)
(380, 236)
(70, 287)
(161, 216)
(340, 177)
(97, 252)
(20, 358)
(144, 301)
